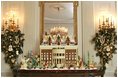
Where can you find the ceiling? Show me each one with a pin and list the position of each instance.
(58, 12)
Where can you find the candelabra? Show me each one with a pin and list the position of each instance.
(105, 41)
(106, 23)
(11, 40)
(59, 30)
(11, 24)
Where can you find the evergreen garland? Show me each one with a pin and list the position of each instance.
(105, 41)
(11, 46)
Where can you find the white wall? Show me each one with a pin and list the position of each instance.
(31, 26)
(87, 11)
(87, 28)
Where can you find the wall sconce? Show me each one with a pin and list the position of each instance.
(11, 40)
(105, 41)
(106, 22)
(11, 22)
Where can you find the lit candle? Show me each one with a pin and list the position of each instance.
(17, 21)
(13, 16)
(111, 22)
(113, 25)
(103, 18)
(6, 23)
(103, 22)
(108, 21)
(99, 24)
(99, 21)
(3, 23)
(3, 20)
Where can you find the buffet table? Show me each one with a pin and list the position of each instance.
(58, 73)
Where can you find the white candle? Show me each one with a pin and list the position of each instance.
(17, 21)
(108, 21)
(103, 22)
(111, 21)
(6, 22)
(3, 22)
(99, 21)
(113, 24)
(103, 18)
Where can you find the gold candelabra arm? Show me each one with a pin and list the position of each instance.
(11, 25)
(11, 22)
(106, 23)
(3, 28)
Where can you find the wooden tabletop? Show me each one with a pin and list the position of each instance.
(58, 73)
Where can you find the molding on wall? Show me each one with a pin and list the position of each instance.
(82, 30)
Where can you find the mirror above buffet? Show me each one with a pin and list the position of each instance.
(58, 23)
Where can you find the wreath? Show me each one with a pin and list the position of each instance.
(11, 46)
(105, 41)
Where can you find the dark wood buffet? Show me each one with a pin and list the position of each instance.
(58, 73)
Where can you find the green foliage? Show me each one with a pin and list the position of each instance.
(105, 41)
(11, 46)
(31, 61)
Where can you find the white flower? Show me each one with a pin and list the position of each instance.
(108, 54)
(11, 55)
(108, 48)
(17, 52)
(13, 60)
(10, 48)
(10, 39)
(111, 47)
